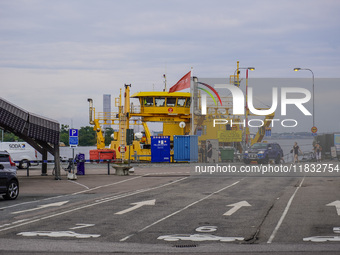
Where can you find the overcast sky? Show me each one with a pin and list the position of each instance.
(56, 54)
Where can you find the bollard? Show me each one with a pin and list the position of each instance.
(108, 167)
(28, 169)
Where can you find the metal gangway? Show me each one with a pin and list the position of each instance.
(40, 132)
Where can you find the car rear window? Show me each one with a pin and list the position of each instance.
(4, 158)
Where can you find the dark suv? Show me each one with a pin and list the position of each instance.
(9, 184)
(263, 152)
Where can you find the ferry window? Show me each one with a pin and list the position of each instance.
(171, 101)
(181, 102)
(188, 102)
(148, 101)
(160, 101)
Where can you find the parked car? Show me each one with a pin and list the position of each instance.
(7, 161)
(263, 152)
(9, 184)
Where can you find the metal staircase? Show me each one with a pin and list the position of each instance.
(40, 132)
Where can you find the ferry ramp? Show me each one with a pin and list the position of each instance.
(40, 132)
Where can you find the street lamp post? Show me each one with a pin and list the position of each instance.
(298, 69)
(246, 106)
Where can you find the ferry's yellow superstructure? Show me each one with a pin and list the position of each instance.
(174, 111)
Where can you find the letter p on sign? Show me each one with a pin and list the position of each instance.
(73, 132)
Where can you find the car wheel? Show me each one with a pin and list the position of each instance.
(278, 159)
(247, 161)
(23, 164)
(12, 191)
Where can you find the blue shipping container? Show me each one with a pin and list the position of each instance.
(186, 148)
(160, 148)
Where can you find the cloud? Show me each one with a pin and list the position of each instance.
(60, 53)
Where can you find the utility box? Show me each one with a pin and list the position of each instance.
(129, 136)
(80, 165)
(160, 149)
(186, 148)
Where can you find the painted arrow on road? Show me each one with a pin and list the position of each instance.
(337, 206)
(42, 207)
(236, 207)
(137, 205)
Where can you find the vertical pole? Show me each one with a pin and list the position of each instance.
(313, 100)
(192, 88)
(73, 160)
(108, 167)
(247, 107)
(129, 154)
(44, 163)
(237, 74)
(57, 162)
(28, 169)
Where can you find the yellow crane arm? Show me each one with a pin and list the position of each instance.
(147, 132)
(100, 137)
(262, 130)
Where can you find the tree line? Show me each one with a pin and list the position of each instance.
(86, 136)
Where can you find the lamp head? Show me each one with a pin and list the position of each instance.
(251, 68)
(297, 69)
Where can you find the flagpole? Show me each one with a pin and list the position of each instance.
(192, 88)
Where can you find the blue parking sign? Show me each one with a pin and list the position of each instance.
(73, 132)
(73, 137)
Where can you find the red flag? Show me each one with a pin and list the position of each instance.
(183, 83)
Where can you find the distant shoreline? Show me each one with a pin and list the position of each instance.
(287, 137)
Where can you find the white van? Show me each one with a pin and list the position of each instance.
(21, 152)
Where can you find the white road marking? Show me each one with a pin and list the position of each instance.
(125, 238)
(321, 239)
(79, 184)
(336, 230)
(106, 185)
(236, 207)
(57, 234)
(337, 206)
(206, 229)
(272, 236)
(42, 207)
(76, 193)
(83, 226)
(33, 220)
(137, 205)
(181, 210)
(198, 238)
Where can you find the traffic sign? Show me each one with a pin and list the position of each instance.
(314, 129)
(73, 132)
(73, 137)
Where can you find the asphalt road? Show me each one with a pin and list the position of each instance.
(161, 209)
